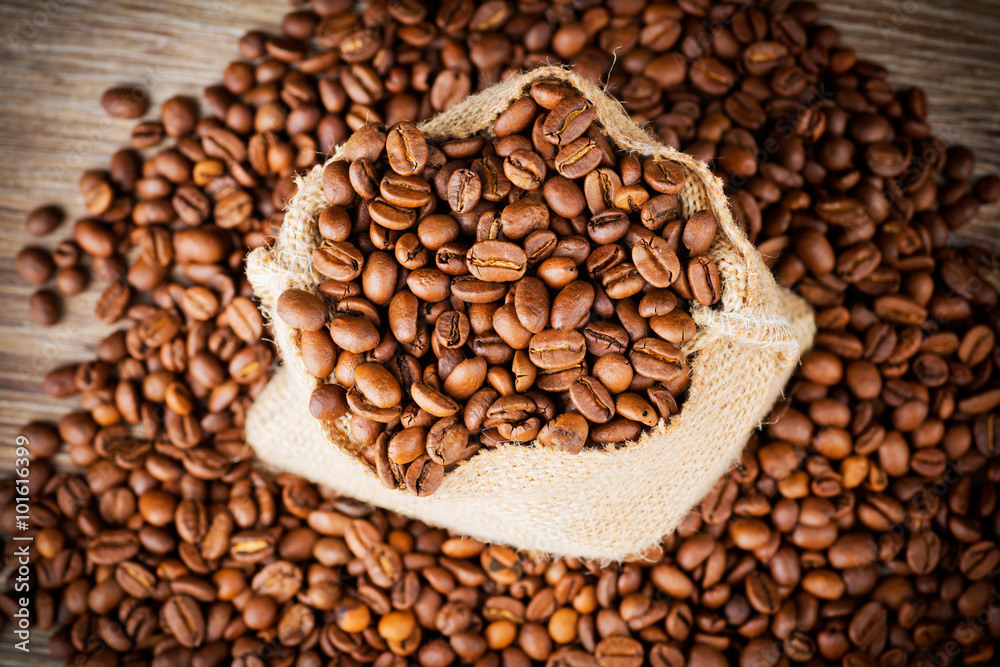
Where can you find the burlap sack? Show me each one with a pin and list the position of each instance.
(606, 504)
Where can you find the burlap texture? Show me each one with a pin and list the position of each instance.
(608, 504)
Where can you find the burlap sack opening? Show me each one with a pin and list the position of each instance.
(607, 504)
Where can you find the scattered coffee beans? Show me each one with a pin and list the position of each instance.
(860, 528)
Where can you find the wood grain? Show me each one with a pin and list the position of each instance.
(57, 57)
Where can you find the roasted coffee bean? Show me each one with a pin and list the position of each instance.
(555, 350)
(664, 176)
(656, 261)
(433, 401)
(185, 621)
(497, 261)
(703, 276)
(354, 334)
(617, 651)
(525, 169)
(45, 308)
(622, 281)
(328, 402)
(44, 220)
(447, 440)
(135, 579)
(531, 304)
(635, 408)
(301, 310)
(519, 219)
(564, 196)
(657, 359)
(578, 158)
(658, 211)
(424, 476)
(592, 399)
(516, 118)
(699, 232)
(568, 120)
(113, 547)
(608, 226)
(571, 306)
(567, 432)
(377, 385)
(464, 190)
(34, 265)
(404, 191)
(406, 149)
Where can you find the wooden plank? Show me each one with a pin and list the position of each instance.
(58, 56)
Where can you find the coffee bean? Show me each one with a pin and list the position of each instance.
(433, 401)
(660, 210)
(402, 191)
(525, 169)
(113, 547)
(564, 197)
(125, 102)
(135, 579)
(431, 285)
(301, 310)
(184, 618)
(328, 402)
(178, 115)
(378, 385)
(447, 440)
(699, 231)
(663, 176)
(496, 261)
(531, 304)
(711, 76)
(516, 118)
(577, 158)
(338, 260)
(567, 432)
(45, 308)
(44, 220)
(979, 559)
(554, 350)
(592, 399)
(619, 652)
(656, 262)
(703, 277)
(568, 120)
(608, 226)
(367, 143)
(923, 552)
(406, 149)
(868, 628)
(635, 408)
(600, 188)
(571, 306)
(424, 476)
(657, 359)
(762, 593)
(35, 265)
(622, 281)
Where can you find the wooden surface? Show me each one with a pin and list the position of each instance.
(57, 56)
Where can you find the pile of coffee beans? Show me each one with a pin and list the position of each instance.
(548, 277)
(861, 527)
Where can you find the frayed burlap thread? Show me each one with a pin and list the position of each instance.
(607, 504)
